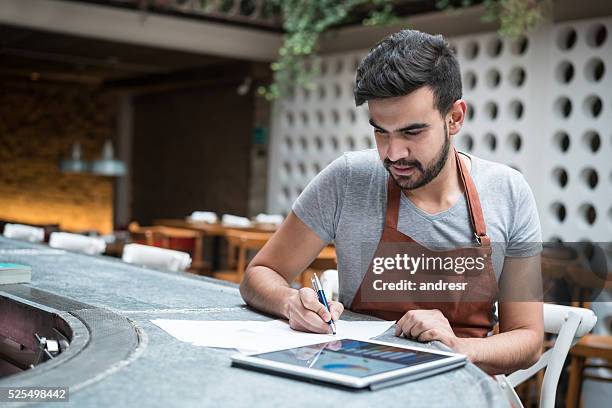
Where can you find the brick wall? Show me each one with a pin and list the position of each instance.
(38, 124)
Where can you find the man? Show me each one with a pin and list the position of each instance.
(413, 189)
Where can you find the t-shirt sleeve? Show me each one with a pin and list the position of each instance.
(320, 204)
(525, 238)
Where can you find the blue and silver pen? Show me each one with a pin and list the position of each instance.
(316, 284)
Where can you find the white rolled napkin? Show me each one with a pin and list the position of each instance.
(77, 242)
(269, 219)
(203, 216)
(24, 232)
(229, 220)
(155, 257)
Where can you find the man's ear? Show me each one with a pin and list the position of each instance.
(456, 116)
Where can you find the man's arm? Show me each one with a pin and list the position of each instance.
(521, 324)
(266, 284)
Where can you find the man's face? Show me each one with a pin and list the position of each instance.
(411, 137)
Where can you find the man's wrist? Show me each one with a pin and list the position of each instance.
(288, 293)
(462, 345)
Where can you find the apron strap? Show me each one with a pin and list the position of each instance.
(472, 199)
(473, 203)
(393, 202)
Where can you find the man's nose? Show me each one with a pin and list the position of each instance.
(397, 148)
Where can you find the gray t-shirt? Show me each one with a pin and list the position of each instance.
(346, 203)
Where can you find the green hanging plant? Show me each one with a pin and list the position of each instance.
(303, 23)
(516, 17)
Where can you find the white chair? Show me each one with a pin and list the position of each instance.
(155, 257)
(77, 243)
(570, 324)
(24, 232)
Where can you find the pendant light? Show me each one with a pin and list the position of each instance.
(74, 164)
(108, 165)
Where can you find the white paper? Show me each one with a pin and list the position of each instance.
(257, 336)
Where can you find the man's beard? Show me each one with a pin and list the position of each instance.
(428, 173)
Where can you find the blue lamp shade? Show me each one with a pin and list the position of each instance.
(108, 165)
(74, 164)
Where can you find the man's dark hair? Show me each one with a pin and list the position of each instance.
(406, 61)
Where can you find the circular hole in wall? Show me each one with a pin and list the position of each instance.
(491, 110)
(560, 176)
(288, 143)
(591, 141)
(469, 80)
(334, 143)
(588, 213)
(563, 107)
(565, 72)
(303, 143)
(516, 109)
(566, 38)
(597, 35)
(335, 116)
(593, 106)
(562, 141)
(350, 143)
(490, 141)
(515, 142)
(322, 92)
(493, 78)
(517, 76)
(466, 143)
(470, 111)
(337, 91)
(471, 50)
(558, 211)
(494, 47)
(594, 70)
(589, 177)
(519, 46)
(318, 143)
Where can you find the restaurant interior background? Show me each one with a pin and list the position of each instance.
(130, 116)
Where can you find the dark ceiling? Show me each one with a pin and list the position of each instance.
(41, 55)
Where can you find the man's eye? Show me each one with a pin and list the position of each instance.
(412, 133)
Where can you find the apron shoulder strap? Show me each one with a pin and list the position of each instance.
(393, 203)
(473, 202)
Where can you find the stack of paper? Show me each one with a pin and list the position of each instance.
(258, 336)
(14, 273)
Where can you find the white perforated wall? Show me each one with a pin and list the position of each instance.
(542, 104)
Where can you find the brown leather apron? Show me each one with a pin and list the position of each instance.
(469, 311)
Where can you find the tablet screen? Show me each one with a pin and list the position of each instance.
(351, 357)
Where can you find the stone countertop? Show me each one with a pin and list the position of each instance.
(167, 372)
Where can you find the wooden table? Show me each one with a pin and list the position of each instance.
(213, 230)
(325, 260)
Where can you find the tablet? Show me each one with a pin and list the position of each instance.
(353, 363)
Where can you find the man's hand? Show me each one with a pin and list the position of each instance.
(426, 325)
(307, 314)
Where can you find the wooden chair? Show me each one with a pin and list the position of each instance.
(572, 265)
(172, 238)
(590, 347)
(325, 260)
(239, 244)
